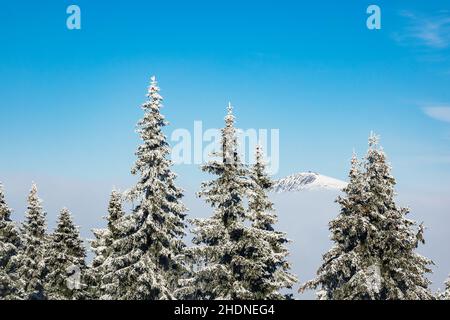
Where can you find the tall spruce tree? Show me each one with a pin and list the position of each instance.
(65, 261)
(150, 264)
(267, 267)
(102, 247)
(10, 284)
(402, 269)
(220, 245)
(32, 253)
(374, 252)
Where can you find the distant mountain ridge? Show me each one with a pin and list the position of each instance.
(307, 181)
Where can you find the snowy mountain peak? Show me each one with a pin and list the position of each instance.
(308, 181)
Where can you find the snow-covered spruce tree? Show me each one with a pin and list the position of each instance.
(347, 256)
(32, 253)
(374, 253)
(150, 264)
(402, 270)
(10, 284)
(65, 261)
(220, 246)
(102, 247)
(267, 268)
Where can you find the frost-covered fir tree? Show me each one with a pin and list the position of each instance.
(373, 256)
(65, 261)
(267, 269)
(220, 244)
(347, 255)
(402, 269)
(32, 253)
(102, 247)
(10, 284)
(150, 262)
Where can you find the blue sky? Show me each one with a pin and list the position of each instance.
(70, 98)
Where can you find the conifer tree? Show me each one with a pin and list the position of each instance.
(65, 261)
(346, 256)
(10, 284)
(373, 256)
(102, 247)
(32, 253)
(149, 265)
(219, 250)
(267, 269)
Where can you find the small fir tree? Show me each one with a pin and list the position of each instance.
(65, 261)
(267, 269)
(32, 254)
(102, 247)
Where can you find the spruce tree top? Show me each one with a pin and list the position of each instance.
(66, 239)
(154, 150)
(34, 225)
(156, 180)
(231, 182)
(260, 206)
(115, 211)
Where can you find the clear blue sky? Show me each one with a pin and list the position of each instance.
(69, 100)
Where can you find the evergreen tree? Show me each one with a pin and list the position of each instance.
(65, 261)
(374, 252)
(102, 247)
(267, 268)
(10, 284)
(32, 254)
(149, 265)
(220, 246)
(346, 256)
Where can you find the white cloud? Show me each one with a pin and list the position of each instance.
(431, 31)
(441, 113)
